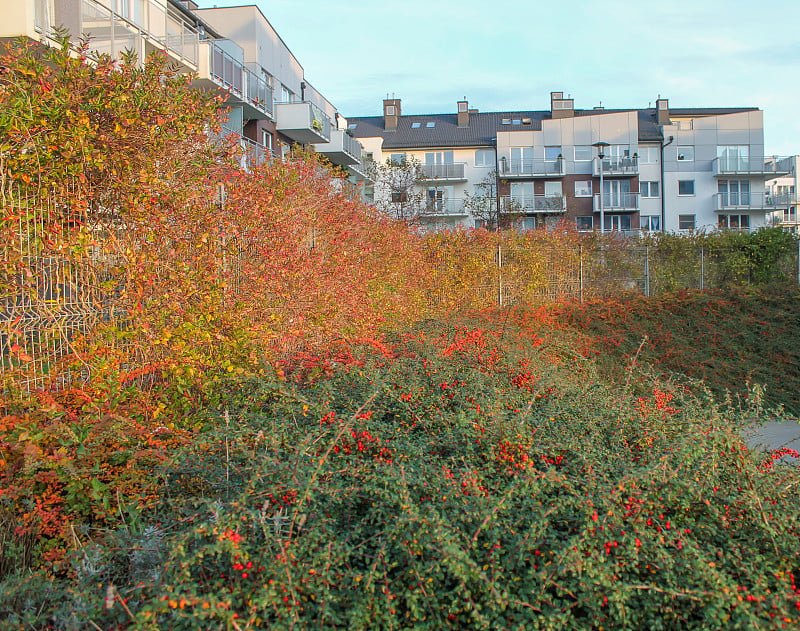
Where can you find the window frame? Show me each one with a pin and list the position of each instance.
(583, 193)
(688, 149)
(485, 163)
(589, 153)
(582, 219)
(692, 194)
(649, 185)
(684, 219)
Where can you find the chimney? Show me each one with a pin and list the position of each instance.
(391, 113)
(662, 111)
(463, 113)
(561, 107)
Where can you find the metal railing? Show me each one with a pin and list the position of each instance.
(453, 171)
(450, 206)
(535, 203)
(617, 166)
(736, 165)
(239, 80)
(531, 167)
(617, 201)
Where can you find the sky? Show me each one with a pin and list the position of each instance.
(509, 55)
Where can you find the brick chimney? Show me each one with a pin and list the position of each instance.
(561, 107)
(662, 111)
(391, 113)
(463, 113)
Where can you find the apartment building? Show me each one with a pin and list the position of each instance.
(271, 104)
(626, 170)
(782, 192)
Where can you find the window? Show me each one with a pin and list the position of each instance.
(505, 121)
(736, 222)
(286, 96)
(517, 121)
(734, 192)
(685, 187)
(352, 126)
(398, 197)
(521, 160)
(268, 140)
(439, 157)
(648, 189)
(369, 193)
(685, 124)
(462, 106)
(650, 223)
(584, 223)
(416, 125)
(583, 153)
(390, 110)
(617, 222)
(685, 153)
(685, 222)
(583, 188)
(484, 158)
(553, 189)
(398, 158)
(430, 124)
(734, 157)
(648, 154)
(527, 121)
(551, 154)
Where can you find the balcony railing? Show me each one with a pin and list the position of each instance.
(780, 200)
(114, 32)
(343, 149)
(303, 122)
(442, 172)
(451, 206)
(617, 166)
(241, 82)
(617, 202)
(531, 168)
(535, 203)
(747, 166)
(747, 200)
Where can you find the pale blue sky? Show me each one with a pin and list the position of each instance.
(510, 55)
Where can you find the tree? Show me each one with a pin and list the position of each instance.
(494, 211)
(399, 188)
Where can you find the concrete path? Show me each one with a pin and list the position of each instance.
(772, 435)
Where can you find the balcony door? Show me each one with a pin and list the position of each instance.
(734, 157)
(440, 199)
(616, 193)
(734, 192)
(521, 160)
(522, 194)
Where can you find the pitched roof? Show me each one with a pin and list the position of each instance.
(483, 126)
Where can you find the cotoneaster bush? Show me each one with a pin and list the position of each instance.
(473, 475)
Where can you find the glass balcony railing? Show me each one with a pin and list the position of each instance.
(115, 26)
(617, 202)
(617, 166)
(531, 168)
(535, 203)
(450, 206)
(444, 171)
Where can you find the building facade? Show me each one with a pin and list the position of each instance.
(653, 169)
(782, 193)
(271, 105)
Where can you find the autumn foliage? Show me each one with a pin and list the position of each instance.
(263, 404)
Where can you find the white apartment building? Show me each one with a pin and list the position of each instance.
(782, 192)
(647, 169)
(272, 106)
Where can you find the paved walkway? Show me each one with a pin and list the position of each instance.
(772, 435)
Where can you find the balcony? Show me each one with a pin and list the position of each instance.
(746, 167)
(617, 202)
(749, 201)
(444, 172)
(617, 167)
(143, 26)
(781, 200)
(303, 122)
(452, 207)
(343, 149)
(514, 169)
(219, 69)
(546, 204)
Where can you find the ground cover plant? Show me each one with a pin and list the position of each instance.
(471, 475)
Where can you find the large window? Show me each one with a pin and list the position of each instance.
(439, 157)
(685, 222)
(398, 158)
(648, 189)
(583, 153)
(651, 223)
(584, 223)
(583, 188)
(648, 154)
(734, 192)
(685, 153)
(551, 154)
(521, 159)
(736, 222)
(734, 157)
(484, 158)
(685, 187)
(617, 222)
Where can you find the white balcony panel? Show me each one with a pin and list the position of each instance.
(303, 122)
(747, 167)
(444, 172)
(617, 202)
(343, 149)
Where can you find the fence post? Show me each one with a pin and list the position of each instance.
(798, 261)
(580, 268)
(702, 267)
(499, 275)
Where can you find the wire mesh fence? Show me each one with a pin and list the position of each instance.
(66, 271)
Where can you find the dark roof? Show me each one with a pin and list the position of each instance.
(483, 126)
